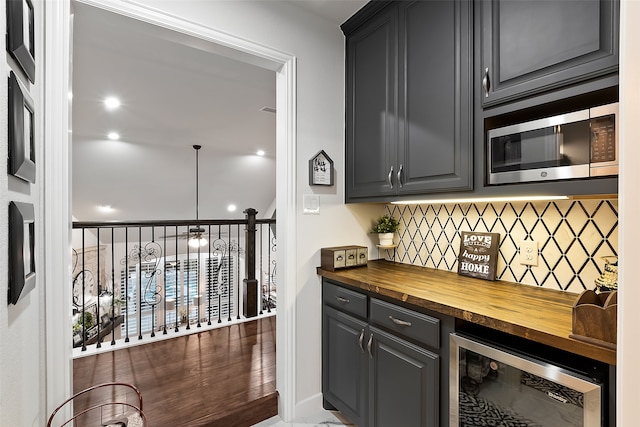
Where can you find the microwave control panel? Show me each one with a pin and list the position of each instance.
(603, 139)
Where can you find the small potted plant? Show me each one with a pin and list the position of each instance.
(386, 226)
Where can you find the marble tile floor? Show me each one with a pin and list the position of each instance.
(322, 419)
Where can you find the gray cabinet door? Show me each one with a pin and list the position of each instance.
(530, 46)
(404, 385)
(409, 110)
(435, 148)
(344, 364)
(371, 127)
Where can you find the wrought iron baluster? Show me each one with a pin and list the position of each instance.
(126, 285)
(97, 320)
(84, 325)
(187, 270)
(209, 278)
(113, 290)
(177, 285)
(261, 279)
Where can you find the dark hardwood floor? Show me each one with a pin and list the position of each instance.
(222, 377)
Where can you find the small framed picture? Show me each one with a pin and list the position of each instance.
(20, 35)
(22, 266)
(22, 161)
(478, 255)
(321, 169)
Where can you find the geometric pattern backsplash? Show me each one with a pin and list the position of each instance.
(572, 236)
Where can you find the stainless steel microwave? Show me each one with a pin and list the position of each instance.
(579, 144)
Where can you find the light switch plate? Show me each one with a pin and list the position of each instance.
(311, 204)
(529, 252)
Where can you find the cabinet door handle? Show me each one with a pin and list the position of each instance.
(343, 300)
(400, 176)
(369, 346)
(486, 84)
(389, 177)
(361, 339)
(399, 322)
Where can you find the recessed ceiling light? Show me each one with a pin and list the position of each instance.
(111, 103)
(114, 136)
(231, 208)
(260, 152)
(105, 208)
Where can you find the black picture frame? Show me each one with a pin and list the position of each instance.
(22, 265)
(22, 159)
(321, 169)
(20, 35)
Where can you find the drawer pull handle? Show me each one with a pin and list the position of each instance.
(360, 340)
(400, 176)
(344, 300)
(339, 258)
(399, 322)
(389, 177)
(369, 346)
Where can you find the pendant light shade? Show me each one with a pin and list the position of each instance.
(197, 240)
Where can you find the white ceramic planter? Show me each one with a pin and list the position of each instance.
(386, 239)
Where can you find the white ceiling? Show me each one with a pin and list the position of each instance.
(174, 94)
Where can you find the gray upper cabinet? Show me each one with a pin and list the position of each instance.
(529, 46)
(409, 110)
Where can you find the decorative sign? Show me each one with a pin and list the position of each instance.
(321, 169)
(478, 254)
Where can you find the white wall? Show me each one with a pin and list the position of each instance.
(22, 337)
(629, 206)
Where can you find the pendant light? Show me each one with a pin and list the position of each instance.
(197, 240)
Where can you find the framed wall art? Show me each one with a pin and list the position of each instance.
(20, 35)
(321, 169)
(21, 130)
(22, 265)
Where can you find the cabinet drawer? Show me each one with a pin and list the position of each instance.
(344, 299)
(407, 323)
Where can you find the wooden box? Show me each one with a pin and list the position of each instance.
(595, 318)
(332, 259)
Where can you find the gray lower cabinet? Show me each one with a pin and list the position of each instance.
(404, 383)
(381, 366)
(344, 364)
(531, 46)
(408, 99)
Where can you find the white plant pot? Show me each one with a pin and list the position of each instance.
(386, 239)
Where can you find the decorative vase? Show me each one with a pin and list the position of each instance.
(386, 239)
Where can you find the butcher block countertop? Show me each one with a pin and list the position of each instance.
(538, 314)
